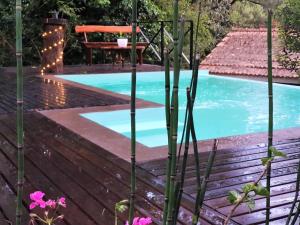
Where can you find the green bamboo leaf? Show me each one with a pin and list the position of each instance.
(277, 153)
(265, 161)
(233, 196)
(122, 206)
(248, 188)
(261, 190)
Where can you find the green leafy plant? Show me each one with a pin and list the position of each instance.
(246, 14)
(250, 191)
(288, 16)
(121, 35)
(48, 209)
(120, 207)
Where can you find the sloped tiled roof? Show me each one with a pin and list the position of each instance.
(243, 52)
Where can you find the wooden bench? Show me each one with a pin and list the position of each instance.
(109, 46)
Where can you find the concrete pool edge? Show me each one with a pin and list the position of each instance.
(119, 145)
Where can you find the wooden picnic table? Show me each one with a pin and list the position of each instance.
(115, 49)
(109, 46)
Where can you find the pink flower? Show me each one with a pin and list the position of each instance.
(37, 198)
(140, 221)
(33, 205)
(51, 203)
(145, 221)
(62, 202)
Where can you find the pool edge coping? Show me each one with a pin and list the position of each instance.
(120, 145)
(144, 154)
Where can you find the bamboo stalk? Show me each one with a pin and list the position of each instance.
(174, 115)
(20, 128)
(193, 133)
(270, 129)
(180, 184)
(296, 196)
(181, 40)
(296, 216)
(167, 90)
(180, 46)
(167, 109)
(201, 191)
(191, 95)
(191, 83)
(133, 112)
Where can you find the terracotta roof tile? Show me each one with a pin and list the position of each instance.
(244, 52)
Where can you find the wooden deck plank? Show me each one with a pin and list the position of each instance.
(91, 176)
(8, 170)
(3, 219)
(283, 168)
(234, 168)
(225, 159)
(280, 222)
(35, 180)
(147, 183)
(38, 162)
(260, 216)
(54, 170)
(260, 204)
(7, 201)
(279, 181)
(106, 172)
(275, 191)
(39, 94)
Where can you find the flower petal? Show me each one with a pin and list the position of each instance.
(37, 196)
(32, 205)
(51, 203)
(145, 221)
(42, 204)
(62, 202)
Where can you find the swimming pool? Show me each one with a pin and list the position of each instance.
(223, 107)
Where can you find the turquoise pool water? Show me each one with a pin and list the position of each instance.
(223, 107)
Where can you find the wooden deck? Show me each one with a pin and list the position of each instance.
(43, 94)
(235, 168)
(61, 163)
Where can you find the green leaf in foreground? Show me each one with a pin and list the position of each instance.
(261, 190)
(248, 188)
(122, 206)
(265, 161)
(277, 153)
(233, 196)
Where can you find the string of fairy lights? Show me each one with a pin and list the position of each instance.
(52, 48)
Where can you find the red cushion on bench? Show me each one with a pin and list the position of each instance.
(104, 29)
